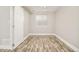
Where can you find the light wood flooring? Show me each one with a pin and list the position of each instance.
(42, 43)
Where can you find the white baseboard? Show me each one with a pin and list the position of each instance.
(67, 43)
(41, 34)
(21, 41)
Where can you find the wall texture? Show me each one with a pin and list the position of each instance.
(4, 26)
(49, 28)
(4, 22)
(67, 25)
(26, 22)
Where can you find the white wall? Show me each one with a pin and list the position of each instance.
(26, 22)
(19, 25)
(49, 28)
(4, 26)
(67, 25)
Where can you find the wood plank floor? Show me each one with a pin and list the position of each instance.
(42, 43)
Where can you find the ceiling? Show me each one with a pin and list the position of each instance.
(42, 9)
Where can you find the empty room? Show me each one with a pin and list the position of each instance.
(39, 29)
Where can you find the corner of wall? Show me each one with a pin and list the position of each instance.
(67, 43)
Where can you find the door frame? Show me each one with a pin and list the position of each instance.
(12, 26)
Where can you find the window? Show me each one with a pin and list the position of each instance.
(41, 20)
